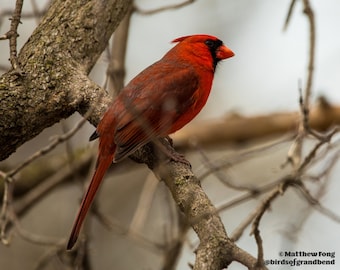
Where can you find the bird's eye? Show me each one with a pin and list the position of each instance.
(210, 43)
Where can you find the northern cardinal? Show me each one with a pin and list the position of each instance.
(157, 102)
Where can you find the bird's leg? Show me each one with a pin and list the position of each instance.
(171, 141)
(171, 153)
(175, 156)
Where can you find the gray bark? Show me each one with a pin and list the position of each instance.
(56, 60)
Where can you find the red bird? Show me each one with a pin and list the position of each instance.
(160, 100)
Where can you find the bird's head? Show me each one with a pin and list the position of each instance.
(204, 46)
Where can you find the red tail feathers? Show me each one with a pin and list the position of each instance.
(103, 164)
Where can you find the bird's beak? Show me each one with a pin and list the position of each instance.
(223, 52)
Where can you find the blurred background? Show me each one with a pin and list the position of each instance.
(261, 79)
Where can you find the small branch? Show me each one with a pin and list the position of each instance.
(175, 246)
(116, 227)
(313, 152)
(6, 209)
(26, 15)
(237, 233)
(317, 205)
(75, 260)
(261, 209)
(295, 152)
(36, 12)
(24, 203)
(12, 36)
(144, 203)
(289, 14)
(308, 11)
(235, 159)
(216, 170)
(255, 228)
(116, 68)
(56, 141)
(250, 195)
(37, 239)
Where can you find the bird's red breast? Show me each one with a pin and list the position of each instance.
(165, 96)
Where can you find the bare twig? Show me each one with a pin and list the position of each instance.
(58, 251)
(144, 203)
(259, 242)
(12, 35)
(174, 247)
(26, 15)
(289, 14)
(250, 195)
(261, 209)
(116, 68)
(228, 162)
(295, 152)
(220, 176)
(308, 11)
(56, 141)
(325, 172)
(36, 12)
(24, 203)
(316, 204)
(115, 226)
(313, 152)
(36, 238)
(238, 232)
(6, 211)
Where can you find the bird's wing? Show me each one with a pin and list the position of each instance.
(152, 105)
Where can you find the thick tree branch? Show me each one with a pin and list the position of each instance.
(238, 128)
(56, 60)
(216, 250)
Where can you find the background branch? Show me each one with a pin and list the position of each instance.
(237, 128)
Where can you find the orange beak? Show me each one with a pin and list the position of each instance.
(223, 52)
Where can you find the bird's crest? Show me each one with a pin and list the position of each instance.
(197, 37)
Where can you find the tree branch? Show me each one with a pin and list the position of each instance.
(12, 35)
(238, 128)
(56, 60)
(216, 250)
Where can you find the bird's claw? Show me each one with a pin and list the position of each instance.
(177, 157)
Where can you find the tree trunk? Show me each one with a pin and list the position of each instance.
(56, 60)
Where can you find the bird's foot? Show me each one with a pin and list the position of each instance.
(170, 141)
(177, 157)
(173, 155)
